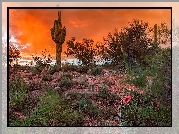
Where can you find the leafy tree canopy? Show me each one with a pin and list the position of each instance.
(83, 51)
(14, 54)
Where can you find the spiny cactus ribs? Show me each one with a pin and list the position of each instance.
(58, 36)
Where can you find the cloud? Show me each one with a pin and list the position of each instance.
(78, 23)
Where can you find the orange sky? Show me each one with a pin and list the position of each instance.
(32, 26)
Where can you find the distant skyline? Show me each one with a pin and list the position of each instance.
(30, 28)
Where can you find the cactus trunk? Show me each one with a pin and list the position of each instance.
(58, 36)
(58, 53)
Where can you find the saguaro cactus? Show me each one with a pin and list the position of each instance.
(58, 36)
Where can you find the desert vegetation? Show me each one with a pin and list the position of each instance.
(131, 88)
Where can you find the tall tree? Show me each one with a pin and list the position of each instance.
(131, 42)
(135, 40)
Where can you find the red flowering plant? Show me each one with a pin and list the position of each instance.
(126, 99)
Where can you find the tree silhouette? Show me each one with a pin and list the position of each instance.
(14, 54)
(132, 41)
(110, 49)
(135, 40)
(44, 60)
(84, 51)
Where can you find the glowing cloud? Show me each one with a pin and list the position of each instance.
(78, 23)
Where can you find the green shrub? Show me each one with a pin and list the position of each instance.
(106, 95)
(18, 93)
(46, 110)
(47, 77)
(139, 80)
(54, 69)
(84, 52)
(110, 112)
(82, 81)
(82, 69)
(94, 111)
(66, 80)
(83, 103)
(67, 76)
(96, 71)
(104, 92)
(20, 101)
(68, 67)
(42, 62)
(36, 70)
(73, 96)
(86, 106)
(34, 85)
(71, 118)
(15, 121)
(53, 110)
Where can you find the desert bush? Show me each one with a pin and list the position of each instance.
(110, 49)
(138, 80)
(42, 62)
(72, 95)
(131, 40)
(82, 69)
(84, 51)
(20, 101)
(66, 80)
(106, 95)
(68, 67)
(82, 82)
(35, 71)
(55, 112)
(82, 104)
(67, 76)
(47, 77)
(160, 71)
(110, 112)
(17, 67)
(53, 69)
(86, 106)
(18, 93)
(14, 120)
(94, 111)
(34, 85)
(71, 118)
(96, 71)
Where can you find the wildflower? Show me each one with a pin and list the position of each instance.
(126, 99)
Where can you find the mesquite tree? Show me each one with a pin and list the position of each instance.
(84, 51)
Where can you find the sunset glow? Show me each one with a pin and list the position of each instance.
(30, 28)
